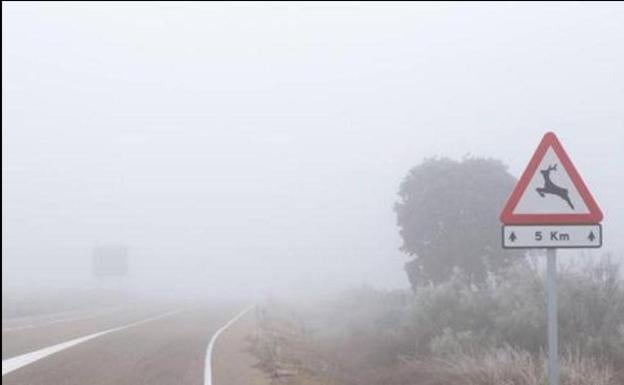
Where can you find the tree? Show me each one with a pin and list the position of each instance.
(448, 219)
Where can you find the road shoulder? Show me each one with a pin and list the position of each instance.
(233, 361)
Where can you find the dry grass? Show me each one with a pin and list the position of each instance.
(501, 367)
(512, 367)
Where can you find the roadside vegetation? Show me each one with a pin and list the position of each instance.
(475, 314)
(455, 332)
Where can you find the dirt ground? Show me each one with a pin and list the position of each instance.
(233, 361)
(286, 351)
(263, 350)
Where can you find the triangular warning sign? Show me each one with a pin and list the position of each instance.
(550, 191)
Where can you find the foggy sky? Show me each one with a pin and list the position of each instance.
(258, 148)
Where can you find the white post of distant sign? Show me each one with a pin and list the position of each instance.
(551, 208)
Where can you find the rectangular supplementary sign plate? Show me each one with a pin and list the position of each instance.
(552, 236)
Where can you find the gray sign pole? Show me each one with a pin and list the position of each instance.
(551, 287)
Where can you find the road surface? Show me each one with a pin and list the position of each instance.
(143, 345)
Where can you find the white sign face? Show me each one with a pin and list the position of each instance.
(551, 190)
(559, 236)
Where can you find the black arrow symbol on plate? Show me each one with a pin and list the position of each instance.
(591, 236)
(512, 236)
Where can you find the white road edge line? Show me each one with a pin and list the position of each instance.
(208, 362)
(17, 362)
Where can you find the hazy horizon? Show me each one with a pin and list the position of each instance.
(256, 149)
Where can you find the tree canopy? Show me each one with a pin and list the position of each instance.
(447, 213)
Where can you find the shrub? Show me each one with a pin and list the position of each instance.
(455, 319)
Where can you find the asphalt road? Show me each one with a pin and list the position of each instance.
(163, 350)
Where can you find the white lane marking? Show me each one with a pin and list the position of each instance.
(17, 362)
(208, 362)
(58, 318)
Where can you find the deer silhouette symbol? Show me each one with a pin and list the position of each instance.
(551, 188)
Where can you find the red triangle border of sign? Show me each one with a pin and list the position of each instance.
(508, 217)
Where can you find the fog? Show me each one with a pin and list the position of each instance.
(254, 149)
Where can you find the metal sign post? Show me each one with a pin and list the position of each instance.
(551, 304)
(551, 208)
